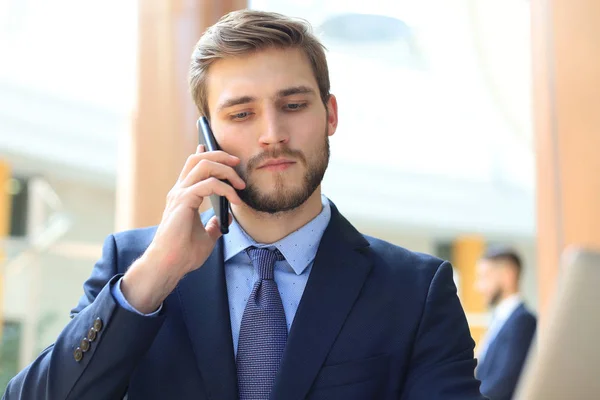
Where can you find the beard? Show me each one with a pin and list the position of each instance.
(496, 298)
(283, 199)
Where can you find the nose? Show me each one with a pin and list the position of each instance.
(273, 129)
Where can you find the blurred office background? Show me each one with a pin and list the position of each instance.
(435, 149)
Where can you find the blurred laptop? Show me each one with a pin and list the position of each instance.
(564, 362)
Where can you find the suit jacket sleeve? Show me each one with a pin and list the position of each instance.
(104, 370)
(508, 363)
(442, 363)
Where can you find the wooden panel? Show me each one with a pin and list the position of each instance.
(5, 206)
(163, 130)
(477, 333)
(466, 251)
(566, 77)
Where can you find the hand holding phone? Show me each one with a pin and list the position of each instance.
(220, 204)
(182, 242)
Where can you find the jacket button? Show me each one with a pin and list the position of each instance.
(78, 354)
(85, 345)
(98, 324)
(91, 334)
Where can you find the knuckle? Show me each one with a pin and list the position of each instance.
(173, 194)
(203, 163)
(192, 158)
(213, 181)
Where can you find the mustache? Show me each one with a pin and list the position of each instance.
(286, 152)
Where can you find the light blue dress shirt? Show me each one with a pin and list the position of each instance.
(501, 314)
(299, 249)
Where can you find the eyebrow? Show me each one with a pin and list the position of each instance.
(294, 90)
(236, 101)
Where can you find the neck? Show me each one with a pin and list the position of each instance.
(269, 228)
(508, 293)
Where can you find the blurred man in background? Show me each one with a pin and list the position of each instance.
(504, 348)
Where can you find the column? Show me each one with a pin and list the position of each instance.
(163, 129)
(566, 98)
(5, 206)
(466, 251)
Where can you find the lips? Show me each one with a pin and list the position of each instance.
(276, 163)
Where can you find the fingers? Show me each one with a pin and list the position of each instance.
(201, 154)
(213, 229)
(206, 168)
(190, 162)
(211, 186)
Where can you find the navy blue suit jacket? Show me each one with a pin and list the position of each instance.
(500, 369)
(376, 321)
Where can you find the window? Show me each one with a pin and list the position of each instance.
(10, 346)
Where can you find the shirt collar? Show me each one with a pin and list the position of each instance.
(299, 247)
(507, 306)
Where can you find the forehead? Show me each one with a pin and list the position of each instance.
(260, 74)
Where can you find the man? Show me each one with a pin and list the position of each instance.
(504, 349)
(293, 302)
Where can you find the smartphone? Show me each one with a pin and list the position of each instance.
(220, 204)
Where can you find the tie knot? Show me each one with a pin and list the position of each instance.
(264, 260)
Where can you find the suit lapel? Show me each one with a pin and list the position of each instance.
(203, 297)
(506, 327)
(337, 276)
(493, 346)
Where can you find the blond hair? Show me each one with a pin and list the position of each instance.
(245, 31)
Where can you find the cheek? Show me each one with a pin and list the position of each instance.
(308, 126)
(482, 286)
(485, 285)
(236, 144)
(311, 142)
(479, 284)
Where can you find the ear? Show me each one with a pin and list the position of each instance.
(332, 115)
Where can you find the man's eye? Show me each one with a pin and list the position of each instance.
(294, 106)
(240, 116)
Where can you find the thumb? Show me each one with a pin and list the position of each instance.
(213, 229)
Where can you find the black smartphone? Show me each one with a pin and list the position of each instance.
(220, 204)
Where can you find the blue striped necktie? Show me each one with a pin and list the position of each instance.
(263, 332)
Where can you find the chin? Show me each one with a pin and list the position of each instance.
(278, 192)
(280, 182)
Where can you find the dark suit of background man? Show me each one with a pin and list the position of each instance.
(505, 346)
(293, 303)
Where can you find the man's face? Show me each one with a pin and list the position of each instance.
(266, 109)
(489, 278)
